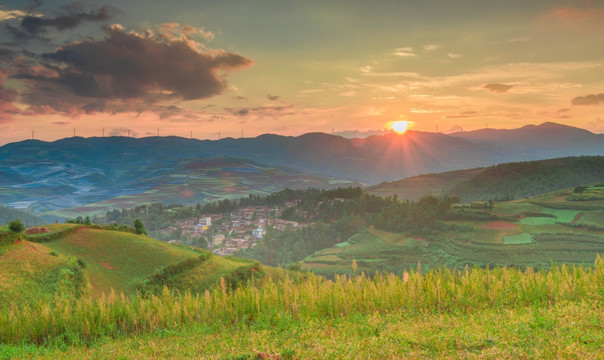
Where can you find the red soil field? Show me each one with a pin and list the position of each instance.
(501, 225)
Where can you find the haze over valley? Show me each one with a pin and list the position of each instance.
(301, 180)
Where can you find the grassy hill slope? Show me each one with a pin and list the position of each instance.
(524, 179)
(7, 215)
(118, 260)
(557, 227)
(472, 314)
(29, 271)
(416, 187)
(510, 180)
(39, 266)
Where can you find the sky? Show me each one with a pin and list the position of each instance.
(233, 68)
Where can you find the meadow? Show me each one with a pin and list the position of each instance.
(534, 289)
(472, 313)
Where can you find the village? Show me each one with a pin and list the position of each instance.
(226, 234)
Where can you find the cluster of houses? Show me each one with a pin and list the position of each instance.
(241, 229)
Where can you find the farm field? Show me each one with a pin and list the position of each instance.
(203, 181)
(535, 232)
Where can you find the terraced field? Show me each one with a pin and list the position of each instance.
(204, 180)
(551, 228)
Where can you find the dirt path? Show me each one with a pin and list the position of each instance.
(577, 218)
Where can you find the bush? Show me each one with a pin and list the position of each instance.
(580, 189)
(16, 226)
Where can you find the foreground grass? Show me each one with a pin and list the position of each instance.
(567, 330)
(470, 314)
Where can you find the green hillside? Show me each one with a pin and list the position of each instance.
(7, 215)
(558, 227)
(504, 181)
(530, 178)
(415, 187)
(118, 260)
(39, 266)
(472, 314)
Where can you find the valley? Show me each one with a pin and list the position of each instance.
(237, 246)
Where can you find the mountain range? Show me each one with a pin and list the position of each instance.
(91, 170)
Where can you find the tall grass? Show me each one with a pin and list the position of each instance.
(311, 297)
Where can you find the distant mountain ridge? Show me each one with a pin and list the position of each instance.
(7, 215)
(536, 142)
(370, 160)
(93, 168)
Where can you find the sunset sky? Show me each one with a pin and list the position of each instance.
(291, 67)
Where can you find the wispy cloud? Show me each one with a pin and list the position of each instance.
(12, 14)
(574, 18)
(462, 115)
(70, 16)
(404, 52)
(498, 88)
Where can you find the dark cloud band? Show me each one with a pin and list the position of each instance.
(592, 99)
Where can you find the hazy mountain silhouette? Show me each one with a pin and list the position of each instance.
(370, 160)
(533, 142)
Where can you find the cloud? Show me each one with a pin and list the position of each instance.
(273, 97)
(11, 14)
(498, 88)
(260, 111)
(574, 17)
(174, 31)
(122, 131)
(34, 26)
(592, 99)
(7, 97)
(127, 71)
(597, 125)
(462, 115)
(6, 54)
(454, 129)
(431, 47)
(72, 17)
(405, 51)
(61, 123)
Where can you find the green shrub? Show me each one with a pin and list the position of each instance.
(16, 226)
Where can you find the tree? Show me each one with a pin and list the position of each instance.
(16, 226)
(139, 227)
(580, 189)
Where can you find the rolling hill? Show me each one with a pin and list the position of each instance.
(7, 215)
(69, 189)
(507, 180)
(556, 227)
(73, 261)
(110, 172)
(415, 187)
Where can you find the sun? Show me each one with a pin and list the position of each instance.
(399, 126)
